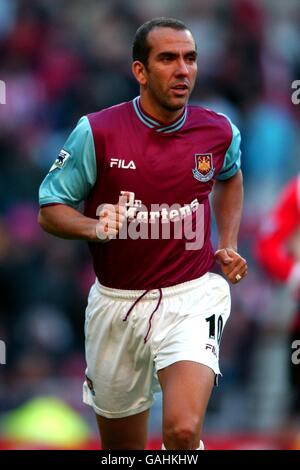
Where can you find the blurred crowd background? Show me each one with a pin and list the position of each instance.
(62, 59)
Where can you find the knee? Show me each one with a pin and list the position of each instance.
(183, 435)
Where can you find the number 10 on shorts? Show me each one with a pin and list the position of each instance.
(212, 327)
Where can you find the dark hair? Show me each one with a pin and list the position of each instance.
(141, 47)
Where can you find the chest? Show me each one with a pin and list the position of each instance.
(161, 168)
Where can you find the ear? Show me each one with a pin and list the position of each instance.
(140, 72)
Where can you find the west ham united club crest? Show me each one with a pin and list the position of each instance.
(204, 167)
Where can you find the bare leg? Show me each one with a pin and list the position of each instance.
(128, 433)
(186, 387)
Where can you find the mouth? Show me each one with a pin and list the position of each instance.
(181, 89)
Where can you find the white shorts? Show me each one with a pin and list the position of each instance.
(125, 351)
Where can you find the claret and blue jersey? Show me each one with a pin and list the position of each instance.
(122, 148)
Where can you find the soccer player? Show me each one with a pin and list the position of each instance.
(278, 250)
(155, 314)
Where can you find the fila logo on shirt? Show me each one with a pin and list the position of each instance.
(120, 163)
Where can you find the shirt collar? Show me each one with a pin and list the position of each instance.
(156, 125)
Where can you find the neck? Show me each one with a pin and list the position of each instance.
(158, 112)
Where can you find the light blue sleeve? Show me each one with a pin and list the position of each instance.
(232, 160)
(74, 172)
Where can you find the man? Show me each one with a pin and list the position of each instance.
(278, 250)
(155, 311)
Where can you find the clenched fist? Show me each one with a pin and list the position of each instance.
(111, 219)
(232, 264)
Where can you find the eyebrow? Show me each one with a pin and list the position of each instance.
(171, 54)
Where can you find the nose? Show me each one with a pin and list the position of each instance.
(182, 68)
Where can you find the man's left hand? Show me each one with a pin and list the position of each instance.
(232, 264)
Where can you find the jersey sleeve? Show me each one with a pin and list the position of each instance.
(74, 172)
(232, 160)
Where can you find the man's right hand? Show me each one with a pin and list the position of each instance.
(111, 219)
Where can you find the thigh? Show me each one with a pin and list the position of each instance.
(128, 433)
(186, 387)
(120, 368)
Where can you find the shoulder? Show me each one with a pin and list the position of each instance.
(208, 117)
(108, 117)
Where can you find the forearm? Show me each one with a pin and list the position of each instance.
(227, 201)
(66, 222)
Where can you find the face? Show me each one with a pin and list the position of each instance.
(169, 77)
